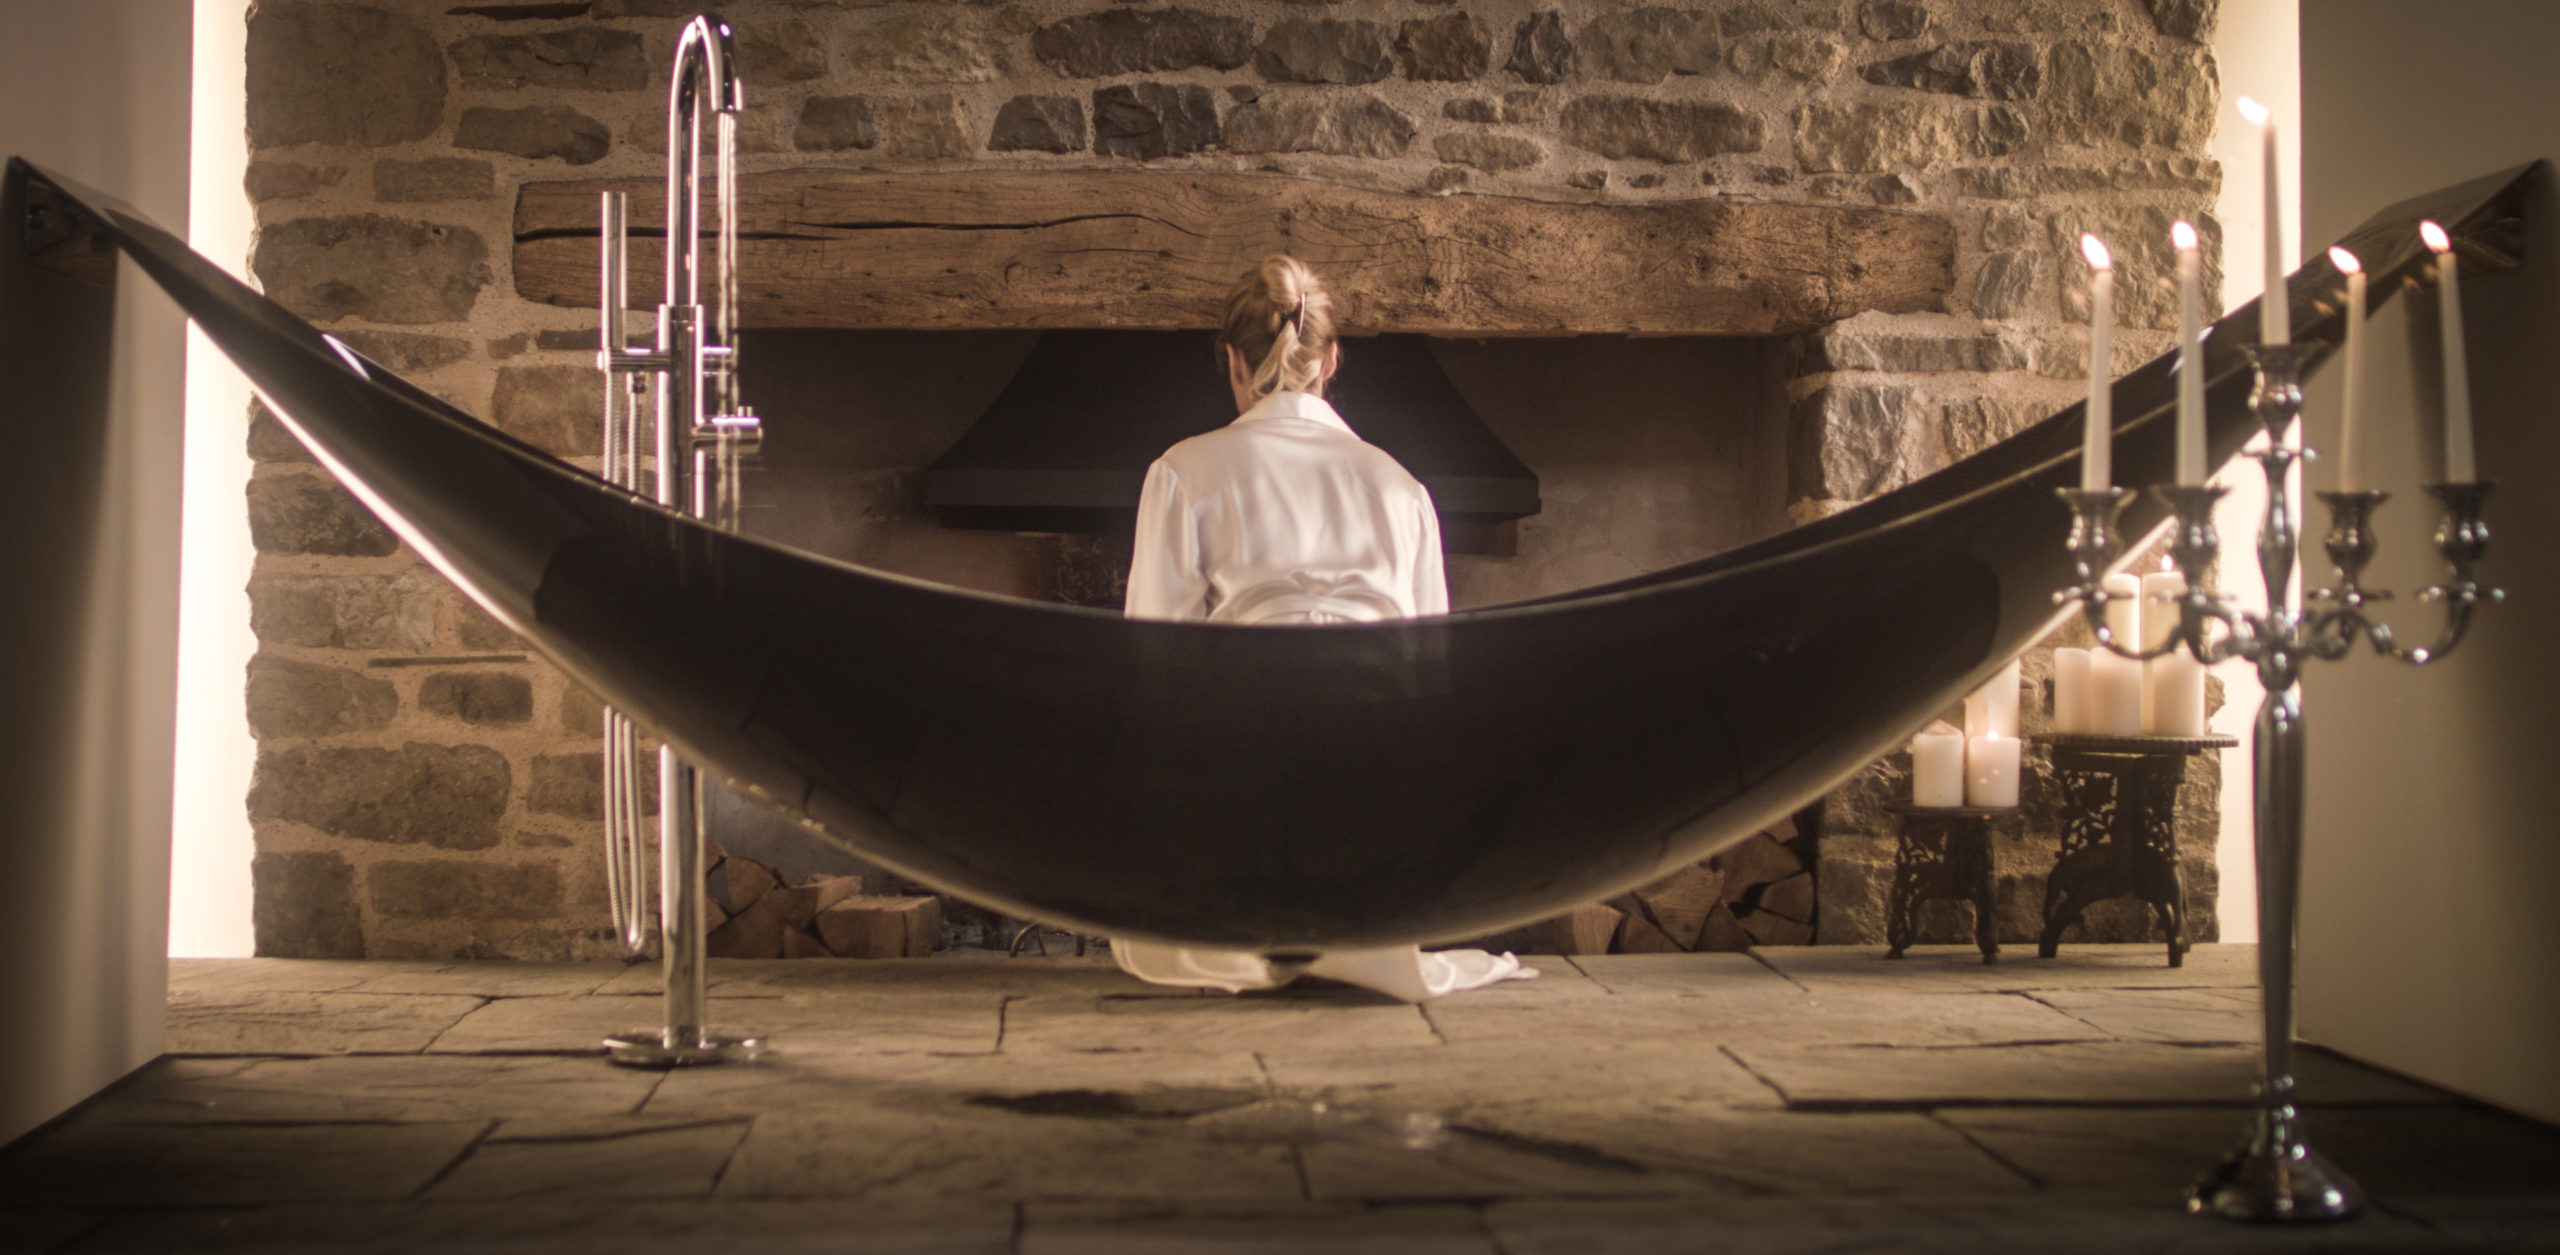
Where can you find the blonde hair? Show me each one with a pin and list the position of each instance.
(1281, 321)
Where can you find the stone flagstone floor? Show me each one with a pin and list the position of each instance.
(1799, 1100)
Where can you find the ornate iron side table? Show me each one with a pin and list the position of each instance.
(2119, 828)
(1943, 852)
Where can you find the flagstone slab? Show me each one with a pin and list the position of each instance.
(790, 1080)
(2074, 1074)
(97, 1163)
(1813, 1153)
(1466, 1075)
(1717, 975)
(1775, 1013)
(546, 1226)
(377, 1088)
(623, 1157)
(296, 1023)
(494, 980)
(991, 971)
(1301, 1019)
(2131, 965)
(967, 1022)
(1088, 1229)
(238, 976)
(2195, 1016)
(859, 1151)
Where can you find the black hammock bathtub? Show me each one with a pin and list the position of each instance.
(1271, 788)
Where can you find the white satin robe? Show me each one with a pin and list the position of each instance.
(1284, 516)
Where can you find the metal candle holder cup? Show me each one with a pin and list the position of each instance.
(2275, 1175)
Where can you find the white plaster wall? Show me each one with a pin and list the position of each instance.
(2429, 930)
(99, 91)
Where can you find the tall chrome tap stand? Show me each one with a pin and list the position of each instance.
(2275, 1176)
(699, 434)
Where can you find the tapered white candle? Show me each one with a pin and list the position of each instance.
(1937, 766)
(2190, 354)
(1991, 771)
(2350, 432)
(2461, 466)
(2097, 455)
(2275, 309)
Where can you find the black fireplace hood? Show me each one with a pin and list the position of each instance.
(1066, 447)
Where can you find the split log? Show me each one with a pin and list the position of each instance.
(1678, 904)
(881, 928)
(753, 933)
(1158, 250)
(798, 944)
(802, 902)
(1585, 929)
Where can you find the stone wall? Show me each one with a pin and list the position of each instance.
(425, 789)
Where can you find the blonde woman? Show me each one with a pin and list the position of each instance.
(1286, 516)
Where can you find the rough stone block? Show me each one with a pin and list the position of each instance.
(590, 58)
(1324, 50)
(268, 439)
(881, 928)
(1658, 130)
(1348, 126)
(1846, 347)
(1450, 48)
(287, 180)
(1985, 69)
(449, 796)
(942, 46)
(771, 52)
(452, 889)
(372, 267)
(2114, 94)
(1648, 45)
(1973, 424)
(1152, 120)
(341, 74)
(291, 698)
(2146, 263)
(1488, 152)
(1139, 41)
(1526, 106)
(1893, 19)
(1049, 124)
(1471, 109)
(925, 126)
(303, 906)
(581, 712)
(1846, 440)
(2185, 19)
(358, 611)
(558, 409)
(836, 123)
(567, 784)
(1540, 50)
(406, 350)
(1885, 134)
(311, 514)
(1806, 58)
(542, 132)
(2005, 286)
(488, 698)
(432, 178)
(475, 630)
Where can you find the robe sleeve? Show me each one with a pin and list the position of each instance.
(1165, 579)
(1430, 578)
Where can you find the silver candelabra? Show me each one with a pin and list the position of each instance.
(2275, 1175)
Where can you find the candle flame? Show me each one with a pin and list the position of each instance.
(2095, 250)
(2435, 237)
(2183, 236)
(2345, 262)
(2257, 114)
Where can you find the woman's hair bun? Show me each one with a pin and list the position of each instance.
(1281, 320)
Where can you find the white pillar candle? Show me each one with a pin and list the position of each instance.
(2160, 593)
(2115, 695)
(2174, 696)
(2097, 454)
(2350, 434)
(2461, 466)
(2071, 690)
(1992, 710)
(2190, 354)
(1991, 771)
(1937, 766)
(2275, 309)
(2124, 609)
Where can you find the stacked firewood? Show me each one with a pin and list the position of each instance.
(1755, 893)
(755, 915)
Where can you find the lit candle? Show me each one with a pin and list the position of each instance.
(2173, 696)
(2349, 477)
(2460, 466)
(2275, 309)
(1992, 710)
(2124, 610)
(2190, 354)
(2160, 592)
(2115, 695)
(2097, 466)
(1991, 771)
(1937, 766)
(2071, 690)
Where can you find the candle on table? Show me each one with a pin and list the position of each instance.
(2275, 309)
(2460, 465)
(2071, 690)
(2124, 610)
(1991, 771)
(1937, 766)
(2115, 695)
(2097, 455)
(2190, 354)
(2350, 477)
(1992, 710)
(2174, 696)
(2160, 593)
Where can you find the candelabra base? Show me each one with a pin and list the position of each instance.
(662, 1049)
(2277, 1179)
